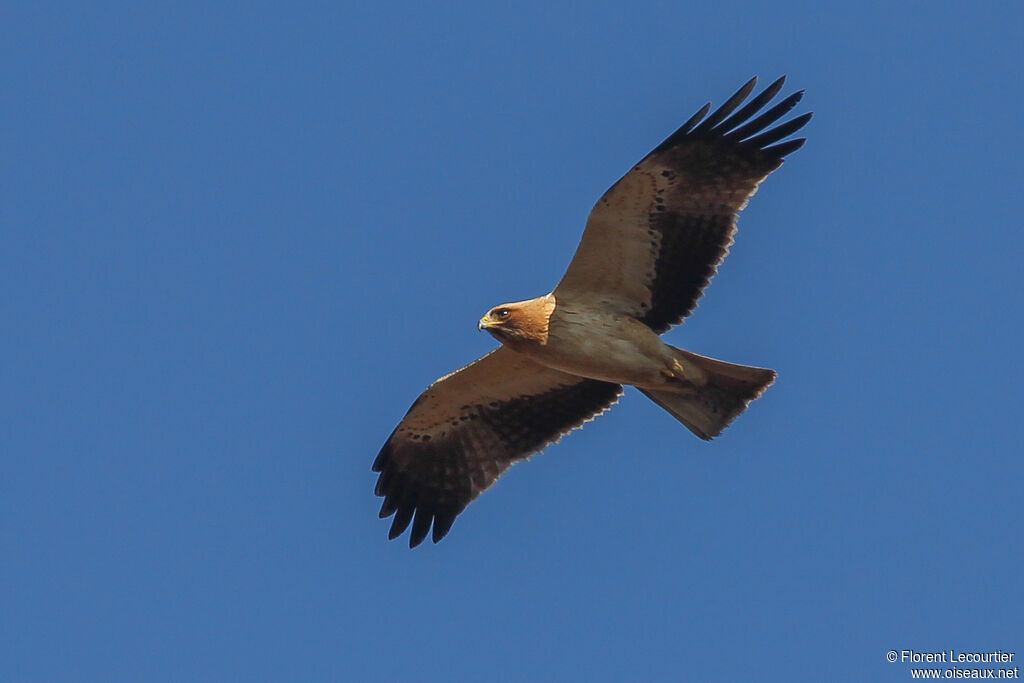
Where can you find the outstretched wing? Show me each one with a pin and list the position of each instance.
(656, 237)
(467, 428)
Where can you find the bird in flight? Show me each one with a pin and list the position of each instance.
(652, 243)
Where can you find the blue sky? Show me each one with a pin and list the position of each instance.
(239, 240)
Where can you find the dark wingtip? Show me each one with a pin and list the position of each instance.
(392, 493)
(420, 527)
(730, 105)
(756, 126)
(733, 122)
(402, 518)
(693, 120)
(382, 456)
(442, 525)
(388, 507)
(384, 481)
(772, 136)
(775, 86)
(785, 148)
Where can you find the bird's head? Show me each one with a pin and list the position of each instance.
(523, 321)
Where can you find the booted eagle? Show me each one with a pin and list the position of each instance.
(651, 245)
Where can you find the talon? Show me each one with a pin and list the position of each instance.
(674, 370)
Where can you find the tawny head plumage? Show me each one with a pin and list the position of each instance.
(520, 322)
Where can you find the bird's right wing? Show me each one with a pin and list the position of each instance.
(468, 427)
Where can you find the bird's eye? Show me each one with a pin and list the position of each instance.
(502, 313)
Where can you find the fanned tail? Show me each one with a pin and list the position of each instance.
(712, 392)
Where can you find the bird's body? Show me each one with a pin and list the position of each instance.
(585, 340)
(652, 244)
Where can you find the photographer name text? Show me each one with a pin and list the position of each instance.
(953, 656)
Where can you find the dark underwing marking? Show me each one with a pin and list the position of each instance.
(437, 480)
(720, 158)
(690, 249)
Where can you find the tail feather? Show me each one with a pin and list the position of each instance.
(712, 392)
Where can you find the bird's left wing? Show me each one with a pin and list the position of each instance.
(656, 237)
(468, 427)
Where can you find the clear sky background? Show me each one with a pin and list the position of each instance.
(239, 240)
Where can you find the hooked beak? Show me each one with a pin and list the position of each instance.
(484, 323)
